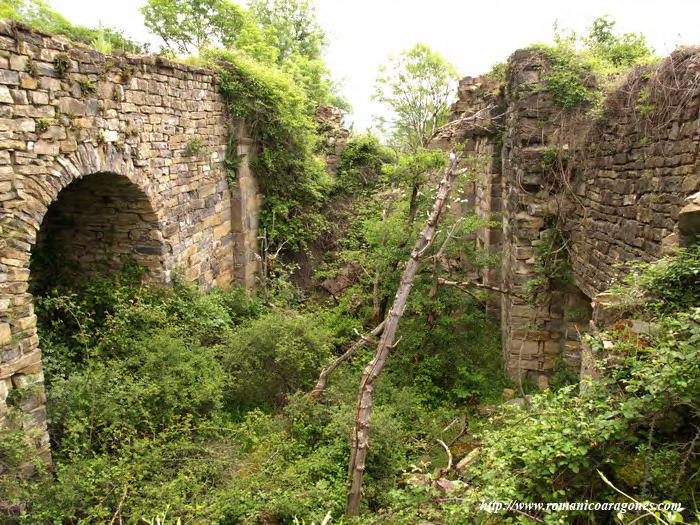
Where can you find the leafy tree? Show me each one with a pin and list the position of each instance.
(292, 24)
(292, 29)
(417, 86)
(624, 50)
(412, 172)
(191, 25)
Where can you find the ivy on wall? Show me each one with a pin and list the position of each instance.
(279, 117)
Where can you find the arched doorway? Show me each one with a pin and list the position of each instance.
(66, 228)
(96, 224)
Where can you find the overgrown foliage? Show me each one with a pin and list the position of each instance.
(187, 26)
(417, 86)
(37, 14)
(552, 266)
(360, 171)
(279, 117)
(637, 424)
(583, 67)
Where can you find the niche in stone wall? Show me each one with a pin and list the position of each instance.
(576, 316)
(96, 224)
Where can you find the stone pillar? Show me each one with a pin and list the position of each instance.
(245, 211)
(531, 332)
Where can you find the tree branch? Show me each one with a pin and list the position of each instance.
(320, 387)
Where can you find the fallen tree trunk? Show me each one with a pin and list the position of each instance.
(320, 387)
(361, 431)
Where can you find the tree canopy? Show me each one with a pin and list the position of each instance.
(417, 86)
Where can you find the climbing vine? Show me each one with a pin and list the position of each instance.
(279, 117)
(552, 267)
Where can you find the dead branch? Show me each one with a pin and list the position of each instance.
(475, 284)
(118, 511)
(361, 432)
(449, 454)
(320, 387)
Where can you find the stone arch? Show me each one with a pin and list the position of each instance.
(61, 198)
(85, 188)
(95, 224)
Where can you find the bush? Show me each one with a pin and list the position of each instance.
(273, 356)
(162, 380)
(581, 67)
(360, 166)
(672, 284)
(637, 424)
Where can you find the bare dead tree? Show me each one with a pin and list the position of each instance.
(361, 431)
(320, 387)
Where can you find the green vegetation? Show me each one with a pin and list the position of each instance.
(582, 68)
(171, 401)
(169, 398)
(279, 117)
(418, 87)
(38, 14)
(87, 86)
(193, 147)
(552, 267)
(188, 27)
(63, 64)
(42, 125)
(637, 425)
(360, 168)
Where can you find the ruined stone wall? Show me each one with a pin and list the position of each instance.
(476, 123)
(624, 188)
(642, 165)
(127, 154)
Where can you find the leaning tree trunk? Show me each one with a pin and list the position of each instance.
(361, 431)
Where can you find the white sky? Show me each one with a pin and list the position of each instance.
(472, 34)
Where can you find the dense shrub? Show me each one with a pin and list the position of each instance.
(274, 356)
(360, 167)
(279, 116)
(581, 67)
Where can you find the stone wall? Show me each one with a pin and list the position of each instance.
(624, 188)
(111, 157)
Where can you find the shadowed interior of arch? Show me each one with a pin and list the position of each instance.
(96, 224)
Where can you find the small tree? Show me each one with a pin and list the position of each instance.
(361, 432)
(418, 86)
(623, 50)
(187, 26)
(293, 26)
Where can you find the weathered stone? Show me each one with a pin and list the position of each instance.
(96, 172)
(5, 96)
(5, 334)
(624, 201)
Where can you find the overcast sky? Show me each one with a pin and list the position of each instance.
(471, 34)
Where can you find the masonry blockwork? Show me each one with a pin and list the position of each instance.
(105, 175)
(629, 190)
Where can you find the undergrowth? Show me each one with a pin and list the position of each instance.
(172, 399)
(583, 68)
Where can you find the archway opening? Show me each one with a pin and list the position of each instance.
(96, 225)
